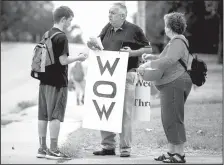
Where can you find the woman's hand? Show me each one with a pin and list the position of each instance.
(142, 67)
(147, 56)
(140, 70)
(145, 65)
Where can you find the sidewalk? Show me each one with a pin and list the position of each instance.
(19, 140)
(141, 160)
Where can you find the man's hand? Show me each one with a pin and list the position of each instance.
(125, 49)
(82, 56)
(92, 44)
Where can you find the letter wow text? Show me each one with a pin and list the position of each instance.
(111, 70)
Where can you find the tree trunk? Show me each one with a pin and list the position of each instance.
(220, 46)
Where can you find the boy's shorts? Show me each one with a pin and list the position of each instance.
(52, 102)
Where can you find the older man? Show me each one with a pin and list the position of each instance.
(121, 35)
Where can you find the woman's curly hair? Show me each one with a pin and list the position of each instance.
(176, 22)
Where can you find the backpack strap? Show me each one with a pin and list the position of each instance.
(180, 60)
(55, 34)
(46, 35)
(50, 51)
(185, 45)
(183, 64)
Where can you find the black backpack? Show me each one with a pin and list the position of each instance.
(198, 71)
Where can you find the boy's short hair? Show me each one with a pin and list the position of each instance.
(176, 22)
(62, 11)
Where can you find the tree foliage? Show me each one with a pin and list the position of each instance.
(204, 19)
(26, 20)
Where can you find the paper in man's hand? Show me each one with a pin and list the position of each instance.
(96, 41)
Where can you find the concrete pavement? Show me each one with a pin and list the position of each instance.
(141, 160)
(19, 140)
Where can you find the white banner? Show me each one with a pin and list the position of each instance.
(142, 100)
(104, 92)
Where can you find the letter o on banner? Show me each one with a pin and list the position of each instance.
(112, 84)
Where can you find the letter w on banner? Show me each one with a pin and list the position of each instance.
(104, 92)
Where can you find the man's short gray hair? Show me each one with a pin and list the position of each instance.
(122, 6)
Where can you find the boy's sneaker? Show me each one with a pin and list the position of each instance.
(41, 153)
(55, 155)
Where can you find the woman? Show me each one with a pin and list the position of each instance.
(174, 86)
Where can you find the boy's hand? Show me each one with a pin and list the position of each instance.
(82, 56)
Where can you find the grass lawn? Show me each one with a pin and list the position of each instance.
(203, 122)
